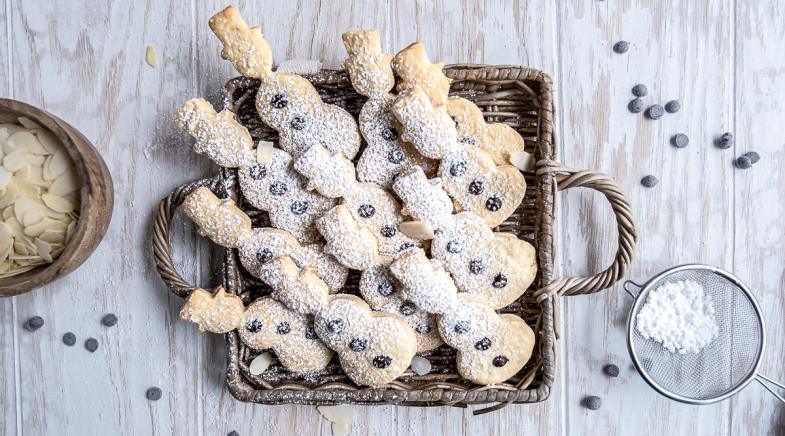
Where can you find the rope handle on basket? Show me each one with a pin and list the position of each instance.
(162, 227)
(568, 178)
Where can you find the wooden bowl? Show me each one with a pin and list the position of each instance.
(96, 193)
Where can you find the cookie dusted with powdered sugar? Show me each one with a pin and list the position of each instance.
(230, 227)
(374, 348)
(216, 312)
(414, 69)
(490, 347)
(497, 267)
(385, 155)
(355, 247)
(267, 180)
(268, 324)
(469, 174)
(333, 175)
(285, 101)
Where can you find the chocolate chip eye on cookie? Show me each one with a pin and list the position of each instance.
(432, 271)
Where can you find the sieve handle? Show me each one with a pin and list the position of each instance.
(568, 178)
(765, 381)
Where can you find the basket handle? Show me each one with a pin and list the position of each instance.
(568, 178)
(162, 228)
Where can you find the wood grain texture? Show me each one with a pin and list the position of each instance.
(85, 63)
(759, 212)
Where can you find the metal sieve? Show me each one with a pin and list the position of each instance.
(722, 368)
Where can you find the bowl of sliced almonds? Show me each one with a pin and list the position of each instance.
(55, 198)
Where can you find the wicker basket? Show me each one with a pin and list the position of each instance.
(518, 96)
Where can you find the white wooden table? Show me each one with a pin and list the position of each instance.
(724, 60)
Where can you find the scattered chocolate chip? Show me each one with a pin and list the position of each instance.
(388, 231)
(264, 255)
(257, 172)
(154, 394)
(109, 320)
(500, 281)
(423, 328)
(476, 266)
(299, 207)
(335, 326)
(278, 188)
(462, 327)
(358, 344)
(254, 325)
(454, 246)
(476, 187)
(621, 47)
(493, 204)
(649, 181)
(395, 156)
(386, 288)
(69, 339)
(405, 245)
(655, 112)
(389, 134)
(382, 362)
(34, 323)
(233, 433)
(640, 90)
(310, 333)
(458, 169)
(743, 162)
(500, 361)
(483, 344)
(611, 370)
(297, 123)
(753, 156)
(279, 101)
(283, 328)
(680, 140)
(91, 344)
(635, 105)
(366, 210)
(592, 402)
(407, 308)
(725, 141)
(672, 106)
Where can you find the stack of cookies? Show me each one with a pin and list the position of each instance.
(407, 194)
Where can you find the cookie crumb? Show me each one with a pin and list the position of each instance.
(154, 393)
(91, 345)
(69, 339)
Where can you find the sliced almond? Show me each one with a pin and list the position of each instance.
(522, 160)
(33, 216)
(3, 133)
(151, 57)
(340, 429)
(6, 241)
(53, 236)
(28, 123)
(16, 229)
(260, 363)
(341, 413)
(8, 197)
(34, 175)
(44, 250)
(14, 161)
(21, 248)
(417, 229)
(8, 147)
(68, 182)
(264, 152)
(57, 216)
(35, 160)
(28, 142)
(8, 212)
(22, 206)
(60, 162)
(5, 177)
(57, 203)
(45, 171)
(49, 141)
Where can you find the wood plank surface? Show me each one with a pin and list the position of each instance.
(725, 62)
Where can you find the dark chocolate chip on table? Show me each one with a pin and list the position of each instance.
(753, 156)
(725, 141)
(649, 181)
(680, 140)
(592, 402)
(233, 433)
(109, 320)
(611, 370)
(154, 393)
(34, 323)
(91, 344)
(640, 90)
(69, 339)
(621, 47)
(655, 112)
(636, 105)
(743, 162)
(672, 106)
